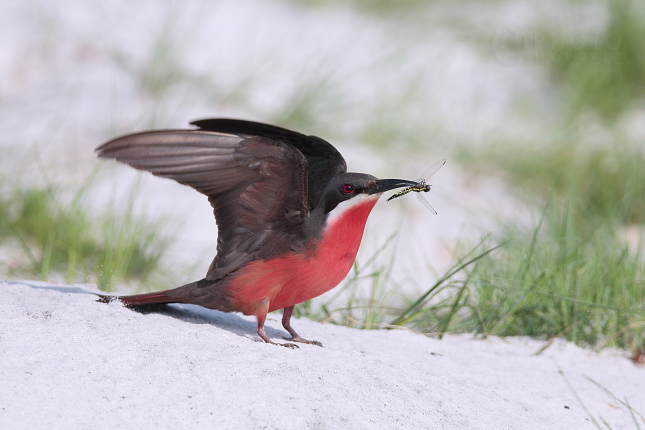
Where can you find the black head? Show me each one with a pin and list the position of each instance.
(346, 186)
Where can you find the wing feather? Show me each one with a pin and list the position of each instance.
(256, 185)
(324, 162)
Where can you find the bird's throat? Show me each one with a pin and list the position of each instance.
(349, 209)
(344, 229)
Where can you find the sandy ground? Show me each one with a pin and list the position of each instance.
(67, 361)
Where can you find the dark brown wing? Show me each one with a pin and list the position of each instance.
(324, 162)
(256, 185)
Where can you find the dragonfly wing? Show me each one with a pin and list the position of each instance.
(432, 170)
(425, 202)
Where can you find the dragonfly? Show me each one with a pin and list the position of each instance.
(422, 185)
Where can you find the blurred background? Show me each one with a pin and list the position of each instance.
(538, 106)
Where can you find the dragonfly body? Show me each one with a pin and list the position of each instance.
(422, 185)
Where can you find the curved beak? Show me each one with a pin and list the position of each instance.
(383, 185)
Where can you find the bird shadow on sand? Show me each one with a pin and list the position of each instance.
(234, 323)
(231, 322)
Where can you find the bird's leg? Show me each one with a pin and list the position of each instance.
(262, 316)
(295, 337)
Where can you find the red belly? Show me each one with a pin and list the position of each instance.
(295, 278)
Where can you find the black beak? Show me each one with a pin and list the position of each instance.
(383, 185)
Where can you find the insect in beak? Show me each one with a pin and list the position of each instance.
(422, 185)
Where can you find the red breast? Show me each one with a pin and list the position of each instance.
(294, 278)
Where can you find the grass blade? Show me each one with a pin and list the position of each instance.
(405, 315)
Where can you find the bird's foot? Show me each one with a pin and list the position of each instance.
(287, 345)
(295, 337)
(301, 340)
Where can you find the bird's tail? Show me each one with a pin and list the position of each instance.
(177, 295)
(141, 299)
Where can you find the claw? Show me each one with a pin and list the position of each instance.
(301, 340)
(289, 345)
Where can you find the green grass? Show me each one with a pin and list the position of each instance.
(605, 73)
(61, 238)
(381, 8)
(161, 70)
(601, 184)
(573, 275)
(557, 283)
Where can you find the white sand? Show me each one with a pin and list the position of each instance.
(67, 362)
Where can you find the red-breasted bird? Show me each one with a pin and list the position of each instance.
(290, 217)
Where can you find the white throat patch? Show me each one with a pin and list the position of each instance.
(343, 206)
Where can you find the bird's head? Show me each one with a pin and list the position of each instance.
(344, 192)
(347, 189)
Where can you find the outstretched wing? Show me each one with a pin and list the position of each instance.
(256, 185)
(323, 160)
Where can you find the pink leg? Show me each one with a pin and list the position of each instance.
(295, 337)
(262, 316)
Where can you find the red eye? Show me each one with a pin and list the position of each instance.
(347, 188)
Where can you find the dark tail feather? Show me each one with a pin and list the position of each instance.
(141, 299)
(176, 296)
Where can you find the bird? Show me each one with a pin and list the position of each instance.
(290, 217)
